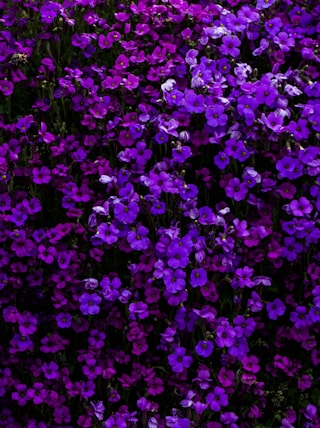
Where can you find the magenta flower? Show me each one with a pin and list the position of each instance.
(6, 87)
(131, 82)
(42, 175)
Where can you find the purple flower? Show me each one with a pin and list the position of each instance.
(221, 160)
(215, 116)
(98, 409)
(49, 12)
(289, 167)
(236, 190)
(284, 42)
(273, 121)
(194, 103)
(206, 216)
(217, 399)
(41, 176)
(18, 217)
(27, 324)
(131, 82)
(198, 277)
(174, 280)
(6, 87)
(291, 248)
(138, 239)
(64, 320)
(46, 254)
(300, 317)
(178, 256)
(179, 360)
(51, 370)
(230, 45)
(243, 326)
(20, 394)
(106, 233)
(126, 213)
(89, 303)
(204, 348)
(24, 123)
(225, 336)
(22, 342)
(140, 309)
(273, 25)
(264, 4)
(301, 207)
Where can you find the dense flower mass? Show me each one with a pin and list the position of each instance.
(159, 213)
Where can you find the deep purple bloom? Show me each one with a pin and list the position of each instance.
(217, 399)
(140, 309)
(225, 336)
(64, 320)
(236, 190)
(89, 303)
(27, 324)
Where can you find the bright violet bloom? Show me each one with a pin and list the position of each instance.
(194, 103)
(264, 4)
(215, 116)
(204, 348)
(289, 167)
(89, 303)
(301, 207)
(138, 239)
(230, 46)
(284, 41)
(179, 360)
(198, 278)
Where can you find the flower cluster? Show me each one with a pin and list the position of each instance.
(159, 226)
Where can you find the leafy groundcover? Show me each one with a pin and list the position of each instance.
(159, 213)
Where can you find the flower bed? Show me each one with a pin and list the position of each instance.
(159, 213)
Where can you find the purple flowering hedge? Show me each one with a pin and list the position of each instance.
(159, 213)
